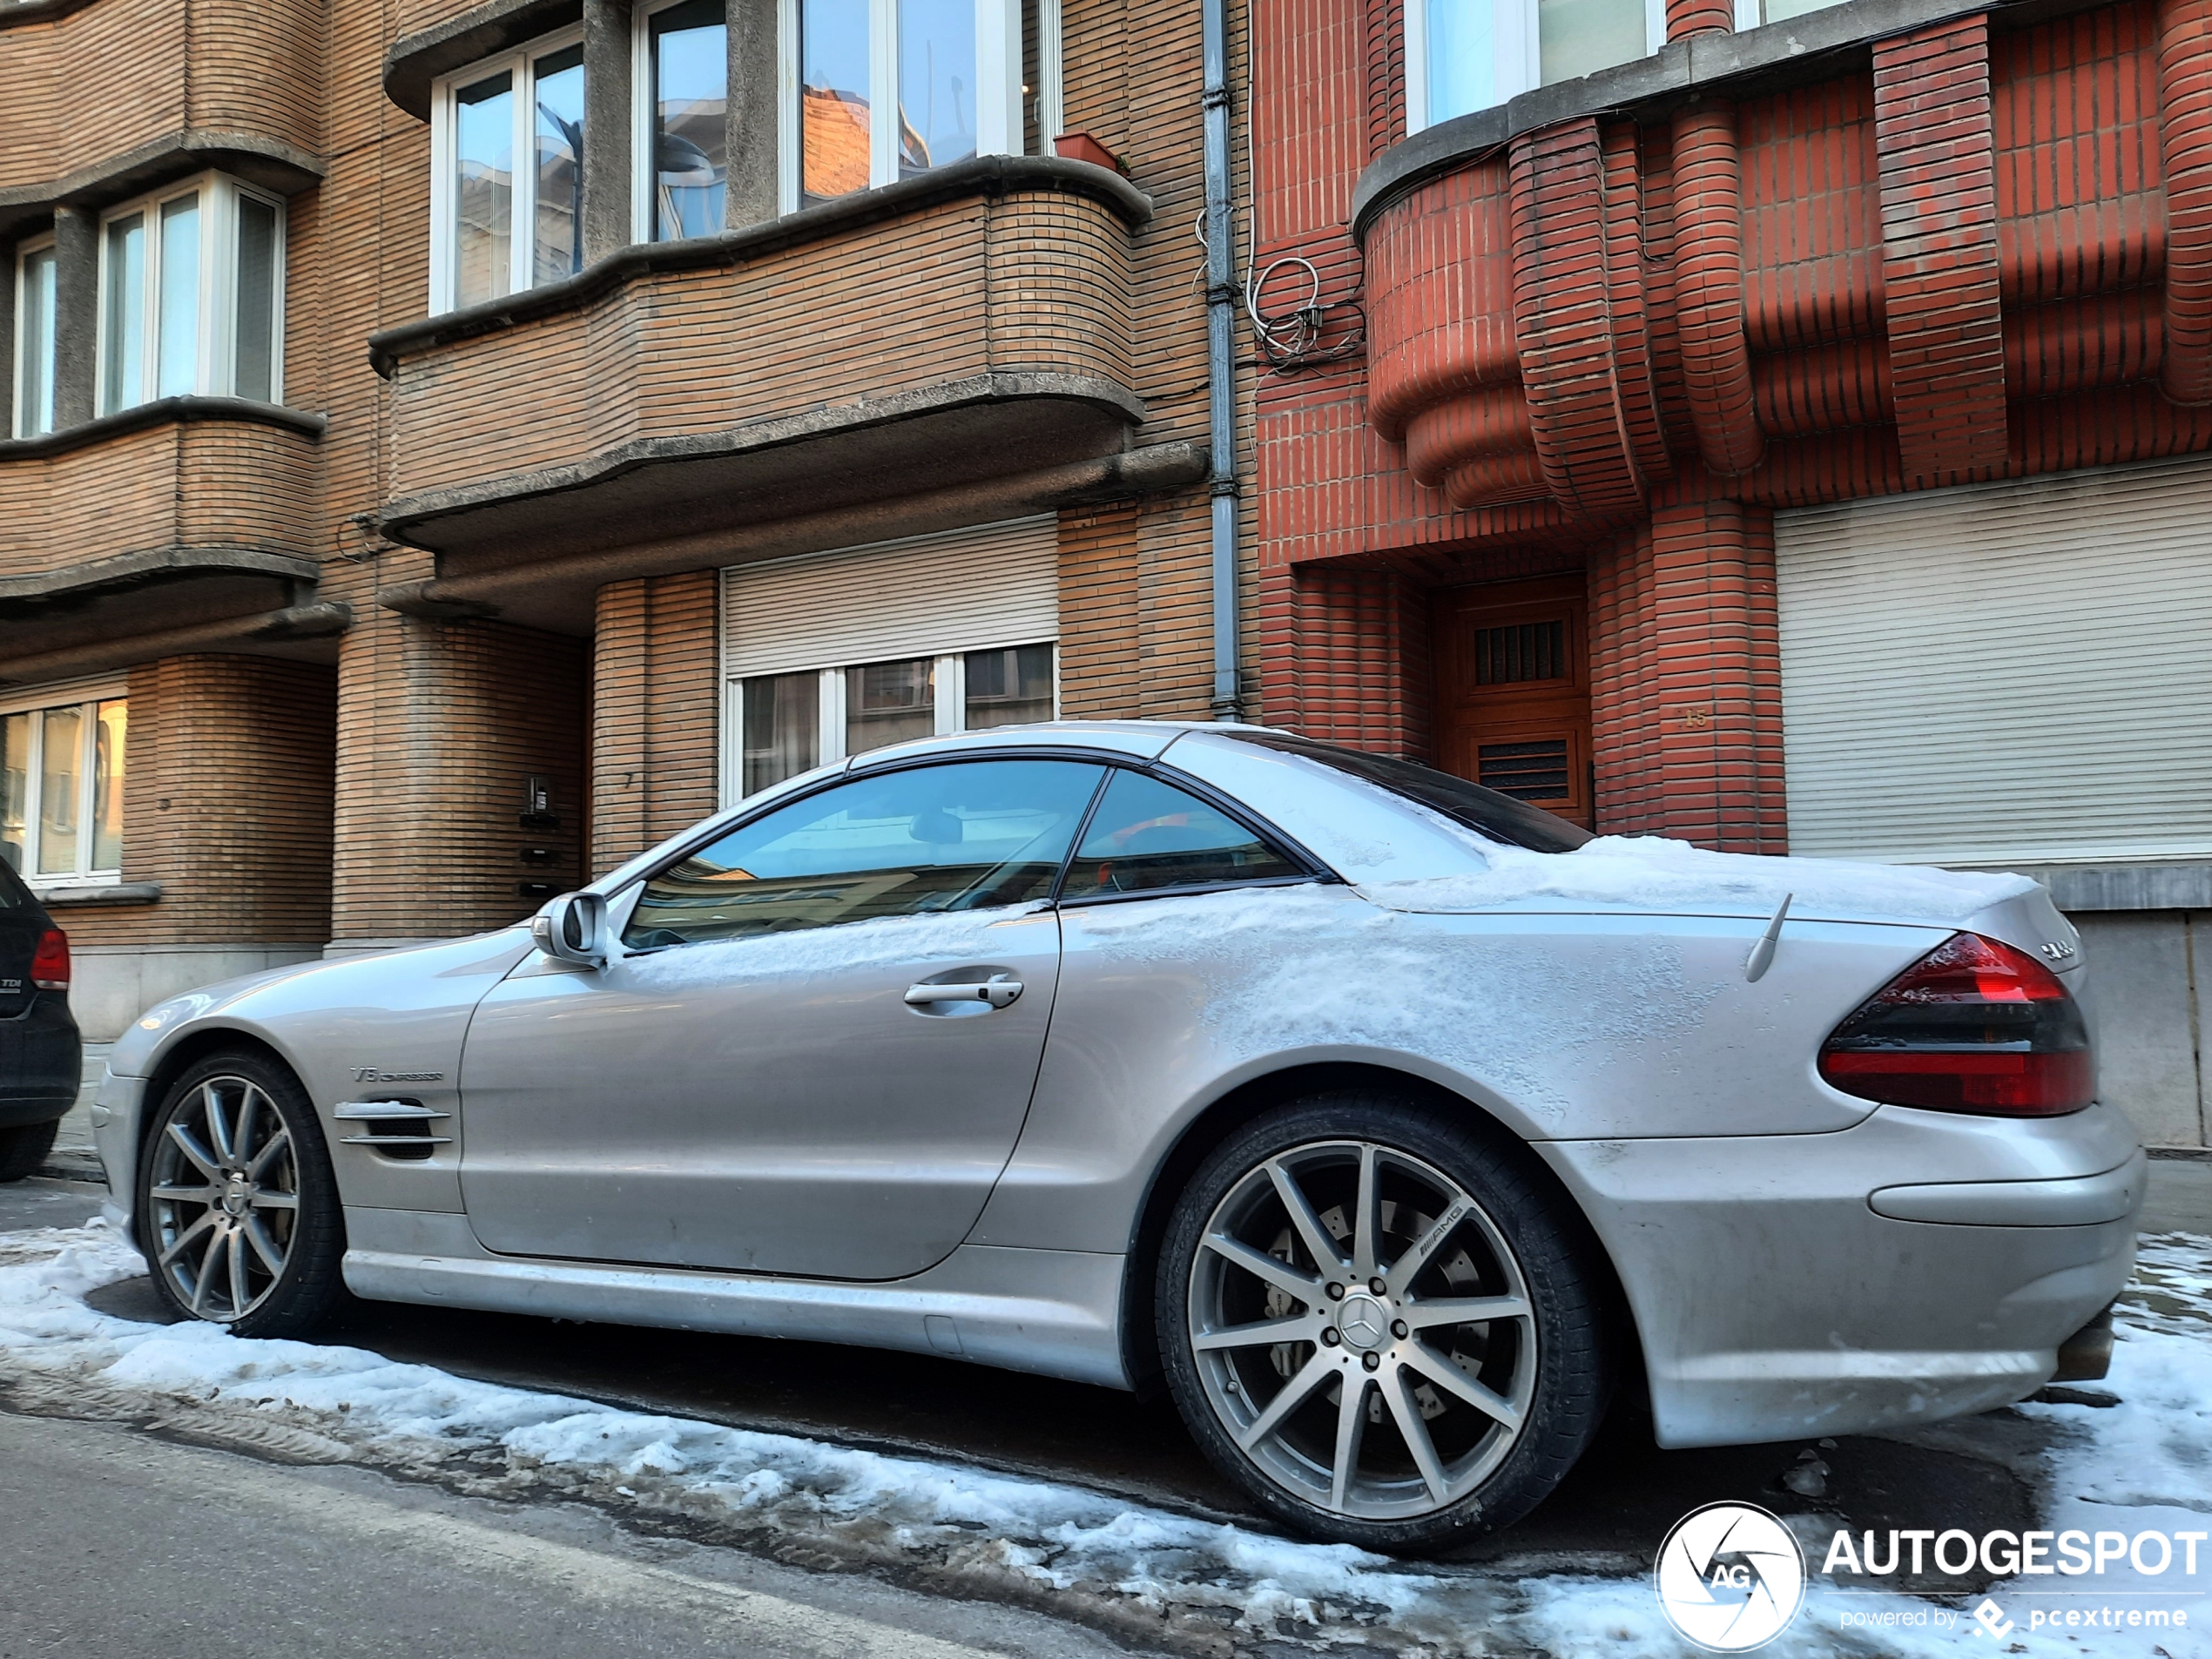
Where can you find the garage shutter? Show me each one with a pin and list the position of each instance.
(2002, 672)
(956, 590)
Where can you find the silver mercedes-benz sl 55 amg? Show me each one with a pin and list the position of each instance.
(1398, 1127)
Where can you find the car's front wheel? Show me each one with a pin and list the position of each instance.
(1376, 1321)
(237, 1209)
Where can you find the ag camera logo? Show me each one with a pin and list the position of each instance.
(1730, 1577)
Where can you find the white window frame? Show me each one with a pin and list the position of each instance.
(85, 697)
(217, 361)
(999, 115)
(24, 250)
(1513, 26)
(951, 710)
(523, 211)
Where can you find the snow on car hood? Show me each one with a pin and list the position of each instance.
(1652, 872)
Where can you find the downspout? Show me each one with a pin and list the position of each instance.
(1221, 368)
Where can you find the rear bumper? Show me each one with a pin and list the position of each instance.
(42, 1061)
(115, 1115)
(1775, 1299)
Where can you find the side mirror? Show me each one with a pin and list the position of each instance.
(573, 928)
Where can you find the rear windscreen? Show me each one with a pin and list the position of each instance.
(13, 894)
(1498, 816)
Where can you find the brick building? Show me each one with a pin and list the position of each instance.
(1783, 430)
(452, 445)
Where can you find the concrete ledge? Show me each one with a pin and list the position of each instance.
(78, 894)
(292, 622)
(981, 176)
(1806, 48)
(161, 410)
(415, 60)
(146, 568)
(2125, 887)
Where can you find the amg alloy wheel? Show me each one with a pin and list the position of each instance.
(238, 1213)
(1383, 1333)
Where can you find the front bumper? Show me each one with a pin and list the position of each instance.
(115, 1114)
(1774, 1300)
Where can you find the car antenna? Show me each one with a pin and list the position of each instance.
(1762, 956)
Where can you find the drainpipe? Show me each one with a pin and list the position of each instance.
(1221, 370)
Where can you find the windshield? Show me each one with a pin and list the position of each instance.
(1485, 810)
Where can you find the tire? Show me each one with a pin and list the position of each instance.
(237, 1210)
(23, 1148)
(1254, 1326)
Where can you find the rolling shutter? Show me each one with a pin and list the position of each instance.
(956, 590)
(2013, 672)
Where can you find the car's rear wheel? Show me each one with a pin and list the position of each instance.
(1378, 1323)
(24, 1148)
(237, 1212)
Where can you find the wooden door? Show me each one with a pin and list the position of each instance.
(1512, 690)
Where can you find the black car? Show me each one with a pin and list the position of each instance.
(41, 1060)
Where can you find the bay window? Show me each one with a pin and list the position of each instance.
(507, 181)
(876, 90)
(792, 722)
(35, 338)
(683, 144)
(191, 285)
(1468, 55)
(61, 786)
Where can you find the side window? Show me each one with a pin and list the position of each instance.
(1147, 834)
(960, 837)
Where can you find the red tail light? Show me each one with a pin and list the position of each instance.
(50, 963)
(1973, 1026)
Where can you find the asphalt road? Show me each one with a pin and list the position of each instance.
(130, 1547)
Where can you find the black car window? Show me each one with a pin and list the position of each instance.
(13, 894)
(1147, 834)
(1498, 816)
(959, 837)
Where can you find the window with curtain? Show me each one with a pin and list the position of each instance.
(684, 159)
(793, 722)
(191, 297)
(35, 339)
(888, 89)
(61, 788)
(1462, 56)
(507, 181)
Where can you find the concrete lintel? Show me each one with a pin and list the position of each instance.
(231, 633)
(271, 163)
(145, 568)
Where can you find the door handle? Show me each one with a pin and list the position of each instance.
(998, 991)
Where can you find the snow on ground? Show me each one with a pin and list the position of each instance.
(2140, 1464)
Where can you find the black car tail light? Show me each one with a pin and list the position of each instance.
(50, 963)
(1973, 1026)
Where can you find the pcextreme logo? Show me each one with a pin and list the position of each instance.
(1730, 1577)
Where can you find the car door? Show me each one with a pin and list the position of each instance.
(811, 1053)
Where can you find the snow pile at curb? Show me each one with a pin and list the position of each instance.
(1653, 872)
(1151, 1572)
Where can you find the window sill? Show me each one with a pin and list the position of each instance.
(66, 895)
(159, 411)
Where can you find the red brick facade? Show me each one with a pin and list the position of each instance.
(1616, 343)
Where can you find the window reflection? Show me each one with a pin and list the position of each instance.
(255, 320)
(484, 189)
(889, 702)
(15, 788)
(936, 84)
(36, 329)
(1012, 687)
(691, 99)
(833, 74)
(179, 372)
(557, 241)
(60, 768)
(107, 785)
(125, 335)
(782, 727)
